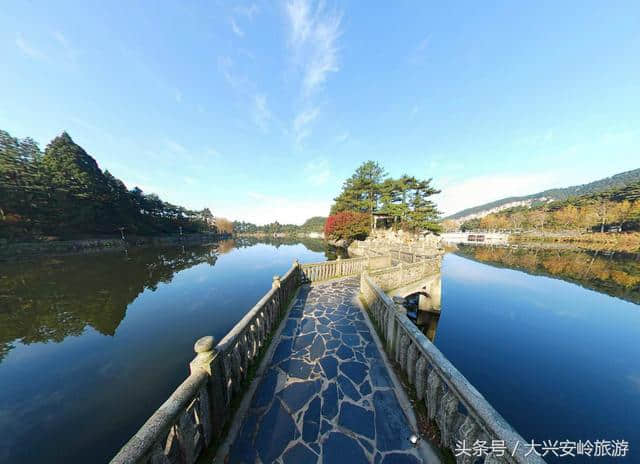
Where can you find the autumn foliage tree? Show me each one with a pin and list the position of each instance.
(594, 212)
(347, 225)
(224, 225)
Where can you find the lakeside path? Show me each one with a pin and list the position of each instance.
(326, 395)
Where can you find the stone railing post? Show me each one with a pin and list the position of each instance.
(204, 354)
(298, 272)
(277, 285)
(339, 266)
(212, 404)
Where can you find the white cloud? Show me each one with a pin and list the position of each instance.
(261, 113)
(317, 172)
(313, 37)
(263, 209)
(256, 100)
(235, 28)
(302, 123)
(237, 81)
(461, 194)
(29, 50)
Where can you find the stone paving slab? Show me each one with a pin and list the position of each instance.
(326, 395)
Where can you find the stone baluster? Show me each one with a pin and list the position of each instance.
(235, 368)
(185, 434)
(433, 394)
(213, 401)
(259, 330)
(243, 348)
(393, 335)
(421, 377)
(447, 413)
(277, 285)
(412, 353)
(297, 274)
(402, 351)
(265, 313)
(157, 454)
(468, 433)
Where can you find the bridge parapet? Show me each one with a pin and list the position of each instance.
(462, 414)
(315, 272)
(196, 413)
(199, 410)
(398, 276)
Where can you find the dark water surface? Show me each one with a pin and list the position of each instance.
(558, 359)
(91, 345)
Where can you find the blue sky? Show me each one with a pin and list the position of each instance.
(259, 111)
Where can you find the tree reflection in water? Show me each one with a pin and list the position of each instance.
(56, 297)
(51, 298)
(614, 274)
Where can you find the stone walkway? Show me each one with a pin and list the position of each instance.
(326, 395)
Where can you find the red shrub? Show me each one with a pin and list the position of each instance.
(347, 225)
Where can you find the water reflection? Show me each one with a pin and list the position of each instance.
(615, 274)
(52, 298)
(92, 344)
(312, 244)
(558, 360)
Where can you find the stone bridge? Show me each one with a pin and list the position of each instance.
(304, 377)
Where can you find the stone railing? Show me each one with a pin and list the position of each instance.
(409, 255)
(402, 274)
(196, 413)
(316, 272)
(462, 414)
(399, 254)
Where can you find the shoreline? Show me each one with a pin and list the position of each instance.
(616, 242)
(20, 250)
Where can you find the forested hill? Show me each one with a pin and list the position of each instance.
(313, 224)
(62, 192)
(617, 181)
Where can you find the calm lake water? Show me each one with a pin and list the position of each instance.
(91, 345)
(554, 346)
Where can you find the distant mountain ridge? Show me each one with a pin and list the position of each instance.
(617, 181)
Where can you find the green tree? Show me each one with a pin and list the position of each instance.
(361, 191)
(423, 214)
